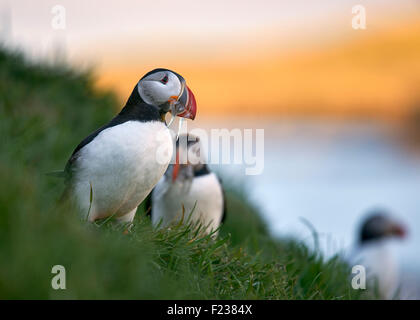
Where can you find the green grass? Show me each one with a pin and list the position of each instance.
(45, 110)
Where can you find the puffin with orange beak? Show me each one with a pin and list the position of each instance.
(375, 252)
(113, 169)
(188, 191)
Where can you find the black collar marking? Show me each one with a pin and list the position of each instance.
(204, 170)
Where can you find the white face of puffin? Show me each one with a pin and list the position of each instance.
(166, 89)
(158, 88)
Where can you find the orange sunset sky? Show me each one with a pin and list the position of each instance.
(242, 57)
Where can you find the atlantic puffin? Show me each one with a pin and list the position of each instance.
(374, 251)
(113, 169)
(188, 190)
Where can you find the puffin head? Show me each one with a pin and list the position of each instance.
(187, 158)
(379, 225)
(168, 91)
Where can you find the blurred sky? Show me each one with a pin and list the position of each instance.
(242, 57)
(258, 60)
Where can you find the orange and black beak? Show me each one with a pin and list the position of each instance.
(186, 106)
(187, 99)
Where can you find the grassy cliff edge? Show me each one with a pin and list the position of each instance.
(45, 110)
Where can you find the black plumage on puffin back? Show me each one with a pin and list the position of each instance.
(113, 169)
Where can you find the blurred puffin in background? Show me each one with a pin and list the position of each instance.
(113, 170)
(188, 190)
(374, 252)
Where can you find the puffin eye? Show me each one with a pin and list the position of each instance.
(164, 80)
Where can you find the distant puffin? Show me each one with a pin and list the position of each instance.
(188, 186)
(373, 251)
(112, 170)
